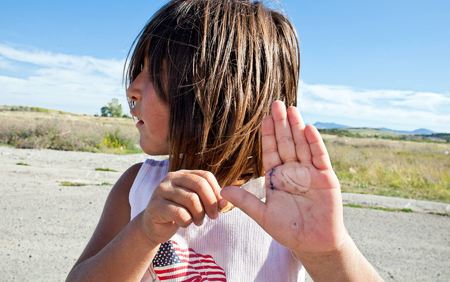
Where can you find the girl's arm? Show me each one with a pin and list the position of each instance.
(303, 208)
(346, 263)
(119, 250)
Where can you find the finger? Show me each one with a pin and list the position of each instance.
(285, 142)
(245, 201)
(187, 199)
(320, 157)
(201, 187)
(212, 180)
(177, 214)
(271, 158)
(298, 132)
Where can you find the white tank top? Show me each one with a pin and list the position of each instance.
(230, 248)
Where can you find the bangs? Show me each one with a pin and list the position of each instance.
(147, 52)
(168, 46)
(149, 48)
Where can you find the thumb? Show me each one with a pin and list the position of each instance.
(245, 201)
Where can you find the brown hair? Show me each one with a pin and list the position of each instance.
(225, 61)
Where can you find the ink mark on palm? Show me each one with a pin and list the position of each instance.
(272, 171)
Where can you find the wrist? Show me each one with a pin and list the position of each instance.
(344, 263)
(145, 232)
(344, 245)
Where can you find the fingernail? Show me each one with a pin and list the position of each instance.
(199, 223)
(222, 203)
(214, 214)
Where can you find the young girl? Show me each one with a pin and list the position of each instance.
(206, 83)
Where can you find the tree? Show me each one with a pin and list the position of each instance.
(112, 109)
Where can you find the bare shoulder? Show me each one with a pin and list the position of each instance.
(115, 215)
(124, 183)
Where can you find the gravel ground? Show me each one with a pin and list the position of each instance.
(44, 225)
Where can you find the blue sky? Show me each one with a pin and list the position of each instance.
(364, 63)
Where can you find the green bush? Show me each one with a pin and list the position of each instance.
(112, 109)
(115, 140)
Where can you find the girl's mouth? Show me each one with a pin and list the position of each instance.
(139, 123)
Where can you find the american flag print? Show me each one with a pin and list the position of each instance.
(175, 263)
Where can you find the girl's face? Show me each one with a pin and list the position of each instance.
(152, 114)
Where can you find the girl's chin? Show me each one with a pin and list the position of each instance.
(153, 150)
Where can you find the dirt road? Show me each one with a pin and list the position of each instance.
(45, 225)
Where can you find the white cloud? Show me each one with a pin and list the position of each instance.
(73, 83)
(110, 68)
(396, 109)
(83, 84)
(6, 65)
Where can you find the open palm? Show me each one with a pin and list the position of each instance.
(303, 208)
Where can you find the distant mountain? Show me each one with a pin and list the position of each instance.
(419, 131)
(422, 131)
(332, 125)
(329, 125)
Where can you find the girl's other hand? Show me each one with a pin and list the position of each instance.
(303, 209)
(182, 198)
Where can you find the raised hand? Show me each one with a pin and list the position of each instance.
(303, 208)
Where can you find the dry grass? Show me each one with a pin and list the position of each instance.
(62, 131)
(393, 168)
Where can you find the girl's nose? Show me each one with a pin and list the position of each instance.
(133, 96)
(131, 103)
(133, 92)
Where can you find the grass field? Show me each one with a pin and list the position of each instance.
(42, 128)
(418, 170)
